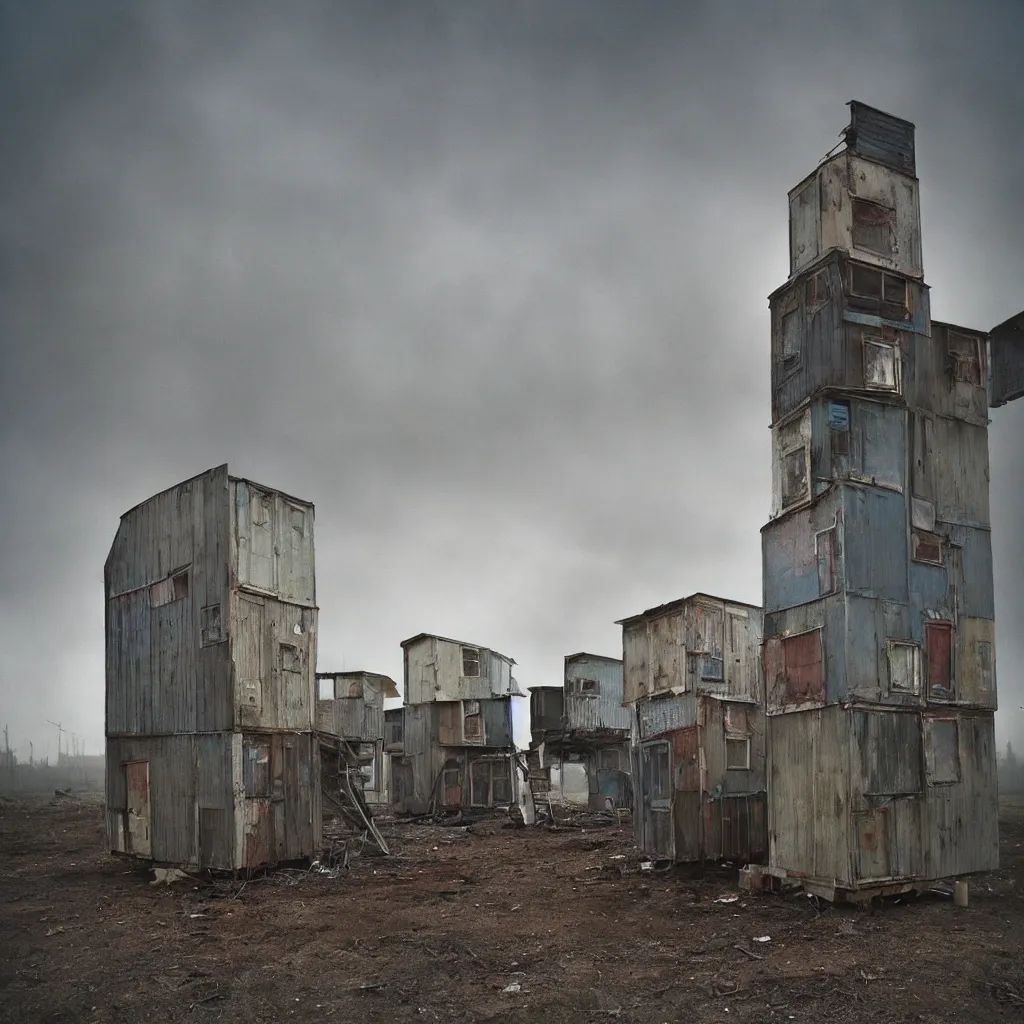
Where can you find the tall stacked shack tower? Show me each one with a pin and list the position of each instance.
(879, 647)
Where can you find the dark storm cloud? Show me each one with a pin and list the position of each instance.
(484, 281)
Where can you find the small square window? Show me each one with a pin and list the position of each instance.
(470, 662)
(588, 686)
(866, 282)
(712, 669)
(881, 365)
(904, 667)
(737, 754)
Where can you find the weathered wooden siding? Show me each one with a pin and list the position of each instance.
(433, 671)
(161, 678)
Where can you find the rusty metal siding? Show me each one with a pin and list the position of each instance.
(602, 709)
(882, 137)
(1006, 348)
(666, 714)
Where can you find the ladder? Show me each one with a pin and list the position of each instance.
(540, 786)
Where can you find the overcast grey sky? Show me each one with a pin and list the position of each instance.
(485, 281)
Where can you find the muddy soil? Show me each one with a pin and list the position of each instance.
(493, 923)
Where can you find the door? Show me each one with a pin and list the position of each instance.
(686, 776)
(657, 799)
(136, 775)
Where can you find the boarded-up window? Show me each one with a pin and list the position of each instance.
(927, 547)
(792, 328)
(470, 662)
(839, 427)
(449, 732)
(291, 658)
(256, 770)
(872, 227)
(825, 548)
(737, 753)
(881, 365)
(802, 667)
(904, 667)
(984, 652)
(938, 642)
(211, 630)
(817, 291)
(941, 750)
(965, 358)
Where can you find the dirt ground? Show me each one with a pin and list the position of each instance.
(490, 923)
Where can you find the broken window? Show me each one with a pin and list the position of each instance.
(712, 668)
(472, 722)
(166, 591)
(393, 723)
(938, 642)
(817, 292)
(965, 357)
(791, 331)
(589, 686)
(489, 784)
(839, 427)
(926, 547)
(325, 688)
(941, 750)
(825, 549)
(904, 666)
(737, 753)
(873, 227)
(881, 365)
(471, 662)
(210, 630)
(802, 667)
(256, 770)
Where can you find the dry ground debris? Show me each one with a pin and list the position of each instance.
(485, 923)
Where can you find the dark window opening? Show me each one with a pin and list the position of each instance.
(210, 630)
(881, 365)
(839, 427)
(588, 686)
(942, 750)
(470, 662)
(873, 227)
(802, 667)
(712, 668)
(817, 291)
(737, 754)
(875, 291)
(795, 480)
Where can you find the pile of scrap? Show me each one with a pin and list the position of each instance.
(341, 782)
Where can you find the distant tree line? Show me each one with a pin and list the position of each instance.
(1011, 772)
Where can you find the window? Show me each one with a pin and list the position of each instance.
(589, 686)
(210, 629)
(839, 427)
(291, 658)
(881, 365)
(941, 750)
(256, 770)
(926, 547)
(873, 227)
(172, 588)
(795, 479)
(737, 753)
(792, 450)
(802, 667)
(393, 722)
(825, 549)
(791, 331)
(875, 291)
(984, 652)
(965, 357)
(712, 668)
(470, 662)
(817, 292)
(325, 688)
(472, 722)
(490, 784)
(354, 689)
(904, 666)
(656, 772)
(938, 642)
